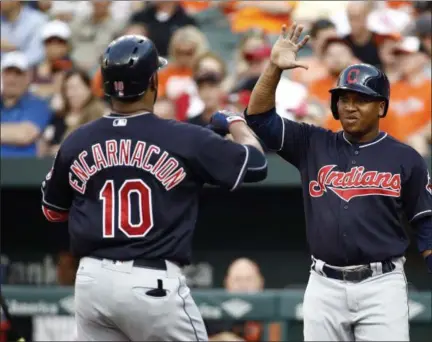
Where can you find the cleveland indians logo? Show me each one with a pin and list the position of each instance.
(355, 183)
(353, 75)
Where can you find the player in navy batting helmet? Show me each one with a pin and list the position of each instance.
(129, 68)
(364, 79)
(360, 98)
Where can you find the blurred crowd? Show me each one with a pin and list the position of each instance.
(51, 50)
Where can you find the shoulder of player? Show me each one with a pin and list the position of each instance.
(76, 139)
(403, 150)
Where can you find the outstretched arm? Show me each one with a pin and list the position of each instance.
(283, 57)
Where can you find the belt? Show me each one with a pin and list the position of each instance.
(355, 275)
(156, 264)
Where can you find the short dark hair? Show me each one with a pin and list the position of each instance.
(318, 25)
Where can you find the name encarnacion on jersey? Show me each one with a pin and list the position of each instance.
(166, 168)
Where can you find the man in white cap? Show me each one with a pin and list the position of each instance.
(23, 115)
(48, 74)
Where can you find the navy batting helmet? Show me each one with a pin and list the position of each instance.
(361, 78)
(128, 65)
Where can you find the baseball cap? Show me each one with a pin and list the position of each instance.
(56, 29)
(15, 59)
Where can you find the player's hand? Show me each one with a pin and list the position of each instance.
(222, 119)
(284, 51)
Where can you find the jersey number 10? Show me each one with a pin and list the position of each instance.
(109, 198)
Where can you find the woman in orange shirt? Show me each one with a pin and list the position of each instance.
(411, 95)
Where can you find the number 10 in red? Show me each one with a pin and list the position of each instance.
(123, 197)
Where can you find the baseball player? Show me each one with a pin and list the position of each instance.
(358, 186)
(128, 184)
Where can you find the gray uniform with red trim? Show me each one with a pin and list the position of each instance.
(129, 187)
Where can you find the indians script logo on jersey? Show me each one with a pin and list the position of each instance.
(355, 183)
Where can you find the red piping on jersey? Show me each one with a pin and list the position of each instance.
(54, 216)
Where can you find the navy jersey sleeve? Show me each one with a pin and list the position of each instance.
(57, 194)
(417, 191)
(219, 161)
(290, 139)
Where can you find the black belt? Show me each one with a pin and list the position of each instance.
(354, 275)
(156, 264)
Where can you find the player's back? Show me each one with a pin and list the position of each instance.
(135, 181)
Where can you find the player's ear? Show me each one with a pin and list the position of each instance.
(382, 105)
(153, 84)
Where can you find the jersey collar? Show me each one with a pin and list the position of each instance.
(381, 136)
(123, 116)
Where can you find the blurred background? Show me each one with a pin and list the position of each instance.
(51, 84)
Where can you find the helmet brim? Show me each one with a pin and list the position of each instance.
(357, 88)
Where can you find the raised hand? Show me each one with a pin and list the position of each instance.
(284, 51)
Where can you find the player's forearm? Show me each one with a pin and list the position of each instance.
(264, 93)
(242, 134)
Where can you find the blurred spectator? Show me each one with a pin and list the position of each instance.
(310, 11)
(336, 55)
(161, 19)
(136, 29)
(43, 6)
(243, 276)
(320, 30)
(311, 112)
(176, 80)
(120, 11)
(361, 39)
(23, 115)
(422, 28)
(386, 50)
(266, 15)
(252, 55)
(47, 76)
(165, 108)
(411, 96)
(211, 93)
(422, 7)
(75, 106)
(209, 73)
(92, 33)
(20, 30)
(211, 62)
